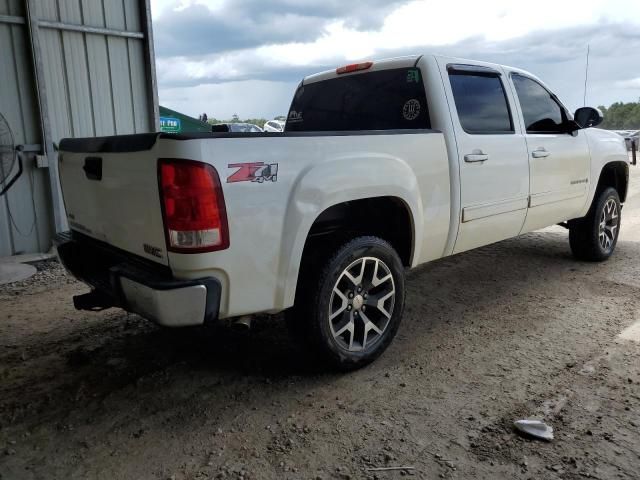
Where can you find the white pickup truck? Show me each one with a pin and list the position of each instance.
(382, 166)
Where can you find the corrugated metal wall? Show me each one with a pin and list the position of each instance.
(24, 219)
(95, 73)
(100, 79)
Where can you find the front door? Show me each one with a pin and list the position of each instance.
(492, 156)
(559, 160)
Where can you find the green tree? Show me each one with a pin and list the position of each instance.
(621, 116)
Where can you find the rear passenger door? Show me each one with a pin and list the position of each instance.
(559, 159)
(492, 155)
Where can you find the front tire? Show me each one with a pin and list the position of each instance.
(594, 237)
(348, 307)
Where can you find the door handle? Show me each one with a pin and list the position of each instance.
(476, 157)
(540, 153)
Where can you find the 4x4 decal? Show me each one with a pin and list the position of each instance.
(253, 172)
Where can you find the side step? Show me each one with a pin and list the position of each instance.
(93, 301)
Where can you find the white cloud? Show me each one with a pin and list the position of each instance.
(488, 29)
(165, 7)
(631, 84)
(244, 98)
(444, 23)
(425, 22)
(415, 24)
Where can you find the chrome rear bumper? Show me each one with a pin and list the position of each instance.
(120, 279)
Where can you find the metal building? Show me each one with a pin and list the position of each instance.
(68, 68)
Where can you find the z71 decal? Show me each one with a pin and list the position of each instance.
(254, 172)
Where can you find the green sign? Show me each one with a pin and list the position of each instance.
(170, 125)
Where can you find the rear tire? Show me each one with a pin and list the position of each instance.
(594, 237)
(349, 305)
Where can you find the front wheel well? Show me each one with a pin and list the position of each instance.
(386, 217)
(615, 175)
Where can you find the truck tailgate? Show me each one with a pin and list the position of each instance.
(113, 197)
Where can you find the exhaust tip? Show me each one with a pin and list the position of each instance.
(242, 324)
(93, 301)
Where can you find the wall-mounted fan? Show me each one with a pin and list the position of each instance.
(9, 157)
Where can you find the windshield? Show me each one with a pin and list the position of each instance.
(384, 100)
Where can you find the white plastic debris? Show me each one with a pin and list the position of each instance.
(535, 428)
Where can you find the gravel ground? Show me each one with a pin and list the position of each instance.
(513, 330)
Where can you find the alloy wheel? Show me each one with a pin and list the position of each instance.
(361, 304)
(609, 222)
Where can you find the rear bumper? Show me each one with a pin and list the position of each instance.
(120, 279)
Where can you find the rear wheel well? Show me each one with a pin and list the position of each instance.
(385, 217)
(615, 175)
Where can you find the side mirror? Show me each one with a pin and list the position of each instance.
(587, 117)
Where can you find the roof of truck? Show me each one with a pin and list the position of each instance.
(408, 62)
(382, 64)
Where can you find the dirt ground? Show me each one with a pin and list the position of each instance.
(514, 330)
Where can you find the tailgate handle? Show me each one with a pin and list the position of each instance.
(93, 168)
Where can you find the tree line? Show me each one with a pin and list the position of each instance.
(621, 116)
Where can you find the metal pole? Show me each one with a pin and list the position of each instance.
(150, 65)
(59, 221)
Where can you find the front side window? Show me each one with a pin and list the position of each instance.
(382, 100)
(541, 112)
(481, 103)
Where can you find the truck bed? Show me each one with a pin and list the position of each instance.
(298, 175)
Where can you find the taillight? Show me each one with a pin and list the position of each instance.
(354, 67)
(195, 218)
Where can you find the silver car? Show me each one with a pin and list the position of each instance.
(631, 137)
(633, 140)
(236, 128)
(274, 126)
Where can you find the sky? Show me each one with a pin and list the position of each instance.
(246, 57)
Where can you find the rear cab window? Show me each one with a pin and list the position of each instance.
(391, 99)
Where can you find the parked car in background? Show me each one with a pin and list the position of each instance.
(633, 140)
(631, 137)
(236, 128)
(274, 126)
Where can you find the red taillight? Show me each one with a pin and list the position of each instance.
(195, 218)
(354, 67)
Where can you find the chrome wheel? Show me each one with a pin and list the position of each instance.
(609, 222)
(361, 304)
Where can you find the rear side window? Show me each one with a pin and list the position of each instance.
(481, 103)
(541, 112)
(383, 100)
